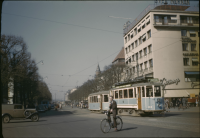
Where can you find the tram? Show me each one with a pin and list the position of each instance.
(136, 99)
(99, 101)
(139, 99)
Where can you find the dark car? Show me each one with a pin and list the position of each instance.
(40, 109)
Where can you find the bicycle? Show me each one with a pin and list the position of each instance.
(106, 125)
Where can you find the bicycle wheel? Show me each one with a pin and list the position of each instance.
(105, 126)
(119, 123)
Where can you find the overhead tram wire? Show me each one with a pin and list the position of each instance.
(118, 51)
(73, 24)
(92, 65)
(62, 23)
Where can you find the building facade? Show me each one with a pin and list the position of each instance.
(163, 43)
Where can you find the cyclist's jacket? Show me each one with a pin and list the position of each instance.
(113, 106)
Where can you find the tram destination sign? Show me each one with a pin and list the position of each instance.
(124, 86)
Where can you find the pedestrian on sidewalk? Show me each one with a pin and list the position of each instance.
(174, 102)
(184, 102)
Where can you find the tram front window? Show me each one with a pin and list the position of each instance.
(105, 98)
(120, 94)
(157, 91)
(143, 94)
(135, 93)
(130, 93)
(125, 94)
(149, 91)
(116, 94)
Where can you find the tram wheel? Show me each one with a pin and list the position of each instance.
(130, 111)
(120, 111)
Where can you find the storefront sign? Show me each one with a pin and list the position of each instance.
(190, 54)
(192, 95)
(169, 82)
(194, 84)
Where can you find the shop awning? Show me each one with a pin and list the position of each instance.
(195, 91)
(176, 93)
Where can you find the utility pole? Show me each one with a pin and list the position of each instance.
(55, 97)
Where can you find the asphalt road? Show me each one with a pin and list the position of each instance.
(77, 122)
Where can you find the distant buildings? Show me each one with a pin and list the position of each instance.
(69, 92)
(120, 58)
(163, 43)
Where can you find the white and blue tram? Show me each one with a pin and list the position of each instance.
(136, 99)
(139, 98)
(99, 101)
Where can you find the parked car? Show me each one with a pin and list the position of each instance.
(17, 112)
(44, 107)
(47, 104)
(40, 109)
(52, 106)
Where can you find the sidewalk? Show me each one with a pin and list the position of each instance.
(191, 109)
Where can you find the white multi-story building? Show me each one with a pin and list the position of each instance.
(163, 43)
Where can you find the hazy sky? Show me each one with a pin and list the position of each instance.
(71, 37)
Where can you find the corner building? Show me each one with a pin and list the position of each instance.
(163, 43)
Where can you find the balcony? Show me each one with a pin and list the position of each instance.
(175, 23)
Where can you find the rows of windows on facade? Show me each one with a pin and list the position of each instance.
(169, 19)
(137, 30)
(189, 47)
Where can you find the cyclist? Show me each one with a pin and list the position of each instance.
(113, 110)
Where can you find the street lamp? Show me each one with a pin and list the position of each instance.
(39, 62)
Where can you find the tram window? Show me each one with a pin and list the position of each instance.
(116, 94)
(130, 93)
(95, 99)
(120, 94)
(149, 91)
(143, 94)
(157, 91)
(92, 99)
(105, 97)
(125, 94)
(135, 93)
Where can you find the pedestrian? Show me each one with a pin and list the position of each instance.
(180, 103)
(174, 102)
(183, 102)
(197, 100)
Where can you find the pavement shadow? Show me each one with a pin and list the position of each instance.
(129, 128)
(47, 124)
(164, 115)
(25, 121)
(55, 113)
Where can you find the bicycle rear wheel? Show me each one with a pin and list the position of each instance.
(105, 126)
(119, 123)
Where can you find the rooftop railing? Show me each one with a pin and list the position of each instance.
(159, 7)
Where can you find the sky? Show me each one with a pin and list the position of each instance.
(71, 37)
